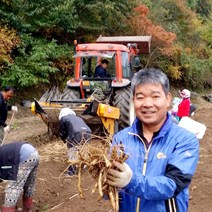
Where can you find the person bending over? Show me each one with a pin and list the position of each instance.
(72, 129)
(18, 166)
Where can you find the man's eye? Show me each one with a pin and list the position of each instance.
(156, 97)
(140, 97)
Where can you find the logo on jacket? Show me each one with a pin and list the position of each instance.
(188, 154)
(161, 155)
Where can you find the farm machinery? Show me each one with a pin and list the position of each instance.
(102, 97)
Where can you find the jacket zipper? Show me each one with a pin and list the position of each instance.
(144, 166)
(171, 201)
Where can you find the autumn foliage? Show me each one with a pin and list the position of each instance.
(8, 41)
(162, 39)
(36, 38)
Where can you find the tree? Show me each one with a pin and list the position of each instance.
(34, 62)
(189, 52)
(162, 41)
(47, 30)
(8, 41)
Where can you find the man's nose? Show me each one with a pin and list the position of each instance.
(147, 102)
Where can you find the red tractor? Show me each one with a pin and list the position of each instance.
(122, 53)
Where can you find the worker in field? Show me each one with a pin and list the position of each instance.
(101, 69)
(185, 108)
(162, 155)
(7, 93)
(72, 130)
(18, 166)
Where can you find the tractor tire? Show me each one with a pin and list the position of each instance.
(55, 94)
(70, 94)
(51, 94)
(123, 100)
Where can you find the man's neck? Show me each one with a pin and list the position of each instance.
(148, 131)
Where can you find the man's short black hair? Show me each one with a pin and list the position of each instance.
(8, 88)
(104, 61)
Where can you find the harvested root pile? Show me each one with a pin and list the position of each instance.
(97, 157)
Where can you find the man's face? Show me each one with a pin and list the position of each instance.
(151, 104)
(104, 65)
(7, 95)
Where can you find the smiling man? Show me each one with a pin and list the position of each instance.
(162, 156)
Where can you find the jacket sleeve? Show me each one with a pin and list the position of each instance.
(63, 130)
(2, 123)
(178, 174)
(96, 72)
(3, 112)
(9, 107)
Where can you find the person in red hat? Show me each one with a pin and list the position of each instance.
(184, 106)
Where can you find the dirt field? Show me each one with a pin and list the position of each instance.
(56, 192)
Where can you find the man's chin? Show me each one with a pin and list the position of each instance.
(148, 118)
(152, 122)
(149, 123)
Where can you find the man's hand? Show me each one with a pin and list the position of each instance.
(6, 129)
(14, 108)
(120, 177)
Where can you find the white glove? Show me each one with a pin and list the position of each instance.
(6, 129)
(14, 108)
(120, 177)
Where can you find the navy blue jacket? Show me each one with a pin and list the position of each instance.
(71, 128)
(4, 107)
(100, 72)
(9, 160)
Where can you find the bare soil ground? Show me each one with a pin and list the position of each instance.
(56, 192)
